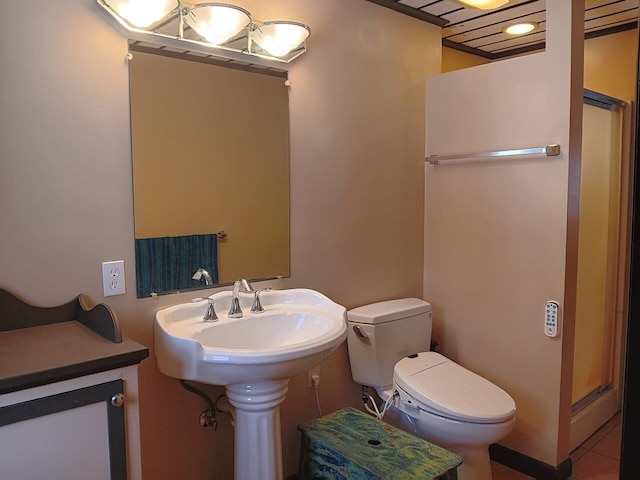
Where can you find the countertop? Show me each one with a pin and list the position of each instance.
(40, 355)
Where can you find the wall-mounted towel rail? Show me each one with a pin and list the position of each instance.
(550, 151)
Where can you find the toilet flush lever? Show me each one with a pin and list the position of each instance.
(359, 332)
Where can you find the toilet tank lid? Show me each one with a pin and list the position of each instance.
(388, 311)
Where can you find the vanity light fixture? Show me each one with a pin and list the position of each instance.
(279, 37)
(521, 28)
(217, 22)
(143, 13)
(483, 4)
(221, 26)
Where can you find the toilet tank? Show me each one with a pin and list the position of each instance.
(380, 334)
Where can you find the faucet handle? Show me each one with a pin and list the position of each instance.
(210, 314)
(257, 306)
(235, 311)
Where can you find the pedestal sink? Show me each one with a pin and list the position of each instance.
(254, 357)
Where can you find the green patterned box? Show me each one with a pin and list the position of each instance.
(351, 445)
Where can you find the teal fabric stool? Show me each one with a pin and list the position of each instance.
(351, 445)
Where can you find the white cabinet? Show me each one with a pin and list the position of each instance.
(68, 393)
(75, 429)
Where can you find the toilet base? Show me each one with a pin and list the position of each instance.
(476, 464)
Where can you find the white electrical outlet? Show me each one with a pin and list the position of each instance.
(313, 379)
(113, 278)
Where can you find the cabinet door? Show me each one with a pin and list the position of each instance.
(77, 434)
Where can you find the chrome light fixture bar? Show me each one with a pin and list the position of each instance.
(219, 26)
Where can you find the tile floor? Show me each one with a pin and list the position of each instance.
(598, 458)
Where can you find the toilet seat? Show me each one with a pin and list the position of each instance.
(431, 382)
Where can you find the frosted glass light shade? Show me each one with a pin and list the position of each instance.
(280, 37)
(217, 22)
(483, 4)
(520, 28)
(142, 13)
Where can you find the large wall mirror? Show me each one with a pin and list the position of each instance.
(210, 172)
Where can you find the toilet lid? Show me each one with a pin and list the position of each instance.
(441, 386)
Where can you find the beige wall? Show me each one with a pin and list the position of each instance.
(609, 68)
(609, 64)
(357, 148)
(498, 244)
(456, 60)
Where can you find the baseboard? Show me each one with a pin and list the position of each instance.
(528, 465)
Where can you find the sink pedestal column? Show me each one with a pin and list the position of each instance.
(258, 445)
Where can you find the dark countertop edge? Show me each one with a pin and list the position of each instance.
(22, 382)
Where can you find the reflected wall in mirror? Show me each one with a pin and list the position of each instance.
(210, 153)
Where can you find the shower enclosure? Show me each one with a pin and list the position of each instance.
(602, 260)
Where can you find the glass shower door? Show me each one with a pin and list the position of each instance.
(598, 252)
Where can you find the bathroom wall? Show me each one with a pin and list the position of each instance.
(357, 148)
(456, 60)
(609, 68)
(609, 63)
(500, 236)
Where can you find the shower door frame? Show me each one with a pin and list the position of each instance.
(602, 404)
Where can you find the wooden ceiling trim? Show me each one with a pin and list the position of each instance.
(455, 20)
(412, 12)
(539, 17)
(480, 32)
(506, 43)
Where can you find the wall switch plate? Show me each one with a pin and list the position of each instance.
(113, 278)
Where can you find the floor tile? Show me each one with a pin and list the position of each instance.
(590, 442)
(500, 472)
(610, 444)
(594, 466)
(598, 458)
(578, 453)
(602, 432)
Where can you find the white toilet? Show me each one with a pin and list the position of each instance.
(436, 399)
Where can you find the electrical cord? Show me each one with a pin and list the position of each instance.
(375, 411)
(315, 387)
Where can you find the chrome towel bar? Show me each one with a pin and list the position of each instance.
(551, 150)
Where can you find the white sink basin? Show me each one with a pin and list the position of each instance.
(254, 357)
(298, 329)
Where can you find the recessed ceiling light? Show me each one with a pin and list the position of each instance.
(483, 4)
(520, 28)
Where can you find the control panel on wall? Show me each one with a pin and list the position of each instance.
(551, 318)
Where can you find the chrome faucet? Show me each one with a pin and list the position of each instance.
(210, 314)
(200, 273)
(257, 306)
(235, 311)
